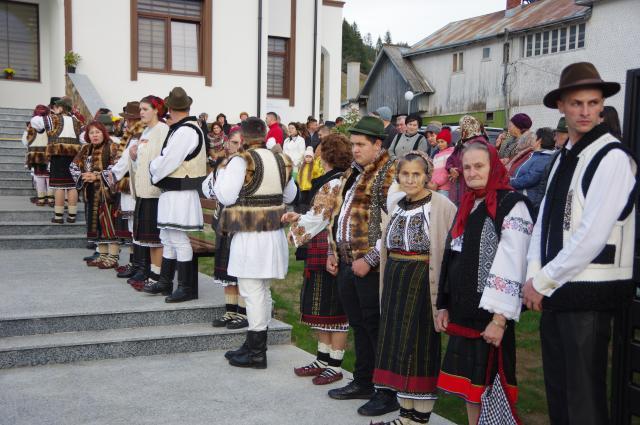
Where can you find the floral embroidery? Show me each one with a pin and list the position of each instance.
(566, 223)
(324, 201)
(300, 234)
(504, 285)
(519, 224)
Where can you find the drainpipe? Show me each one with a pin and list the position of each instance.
(259, 112)
(315, 51)
(505, 74)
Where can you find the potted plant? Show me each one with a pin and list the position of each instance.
(71, 60)
(8, 73)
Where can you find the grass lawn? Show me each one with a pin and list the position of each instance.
(532, 405)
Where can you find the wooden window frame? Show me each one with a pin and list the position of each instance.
(287, 59)
(458, 62)
(488, 50)
(38, 79)
(204, 42)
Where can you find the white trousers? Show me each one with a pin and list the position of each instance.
(176, 245)
(257, 296)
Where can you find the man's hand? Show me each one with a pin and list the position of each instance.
(532, 298)
(442, 320)
(360, 268)
(332, 265)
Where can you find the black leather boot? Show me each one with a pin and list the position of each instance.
(164, 285)
(256, 356)
(142, 267)
(184, 291)
(244, 348)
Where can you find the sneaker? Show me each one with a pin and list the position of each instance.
(238, 322)
(328, 376)
(313, 369)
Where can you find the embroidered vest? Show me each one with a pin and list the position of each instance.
(193, 170)
(63, 131)
(37, 146)
(606, 282)
(260, 204)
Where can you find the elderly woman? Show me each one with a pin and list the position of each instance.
(320, 306)
(410, 140)
(408, 353)
(483, 271)
(97, 155)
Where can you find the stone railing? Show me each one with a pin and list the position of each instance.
(83, 94)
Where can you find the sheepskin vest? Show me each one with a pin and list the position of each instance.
(193, 170)
(37, 147)
(63, 131)
(260, 204)
(607, 281)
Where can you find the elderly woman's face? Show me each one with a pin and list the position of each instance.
(95, 136)
(413, 178)
(476, 167)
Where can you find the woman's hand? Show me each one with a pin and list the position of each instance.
(289, 217)
(453, 174)
(494, 331)
(89, 177)
(442, 320)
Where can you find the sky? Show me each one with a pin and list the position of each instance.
(412, 20)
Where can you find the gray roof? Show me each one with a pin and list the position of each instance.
(403, 65)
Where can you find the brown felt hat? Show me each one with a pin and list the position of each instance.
(579, 75)
(131, 111)
(178, 99)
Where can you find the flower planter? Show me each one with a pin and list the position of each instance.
(71, 69)
(8, 76)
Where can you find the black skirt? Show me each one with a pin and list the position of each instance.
(60, 176)
(145, 221)
(221, 260)
(320, 305)
(120, 222)
(408, 354)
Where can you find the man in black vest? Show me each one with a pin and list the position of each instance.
(581, 252)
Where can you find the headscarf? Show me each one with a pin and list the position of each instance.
(498, 180)
(469, 127)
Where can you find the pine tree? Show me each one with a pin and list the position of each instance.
(378, 45)
(387, 37)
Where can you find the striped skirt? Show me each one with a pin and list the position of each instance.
(408, 354)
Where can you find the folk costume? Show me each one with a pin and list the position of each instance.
(408, 355)
(483, 271)
(63, 145)
(235, 316)
(320, 306)
(179, 172)
(254, 187)
(581, 260)
(98, 200)
(36, 143)
(356, 232)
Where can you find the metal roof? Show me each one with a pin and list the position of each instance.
(404, 66)
(538, 14)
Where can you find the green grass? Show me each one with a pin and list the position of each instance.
(532, 405)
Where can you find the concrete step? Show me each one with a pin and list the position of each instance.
(16, 191)
(42, 228)
(11, 145)
(15, 154)
(73, 240)
(18, 174)
(10, 142)
(13, 123)
(183, 313)
(15, 117)
(65, 347)
(11, 132)
(36, 214)
(12, 166)
(12, 159)
(16, 111)
(18, 183)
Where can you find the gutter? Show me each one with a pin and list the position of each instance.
(580, 18)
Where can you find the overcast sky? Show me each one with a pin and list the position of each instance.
(412, 20)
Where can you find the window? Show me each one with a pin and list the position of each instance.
(486, 53)
(505, 52)
(553, 41)
(457, 62)
(278, 68)
(169, 35)
(489, 116)
(19, 46)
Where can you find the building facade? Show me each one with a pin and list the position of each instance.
(230, 56)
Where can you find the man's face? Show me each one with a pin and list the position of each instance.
(57, 109)
(270, 119)
(400, 124)
(364, 152)
(581, 109)
(560, 138)
(313, 126)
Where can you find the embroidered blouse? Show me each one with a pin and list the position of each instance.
(319, 215)
(409, 226)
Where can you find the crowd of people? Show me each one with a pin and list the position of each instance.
(405, 235)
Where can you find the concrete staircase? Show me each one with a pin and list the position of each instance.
(13, 122)
(55, 309)
(14, 178)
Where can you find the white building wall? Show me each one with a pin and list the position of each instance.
(27, 94)
(331, 41)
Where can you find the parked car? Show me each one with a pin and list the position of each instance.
(492, 133)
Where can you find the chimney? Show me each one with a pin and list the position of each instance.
(353, 80)
(512, 6)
